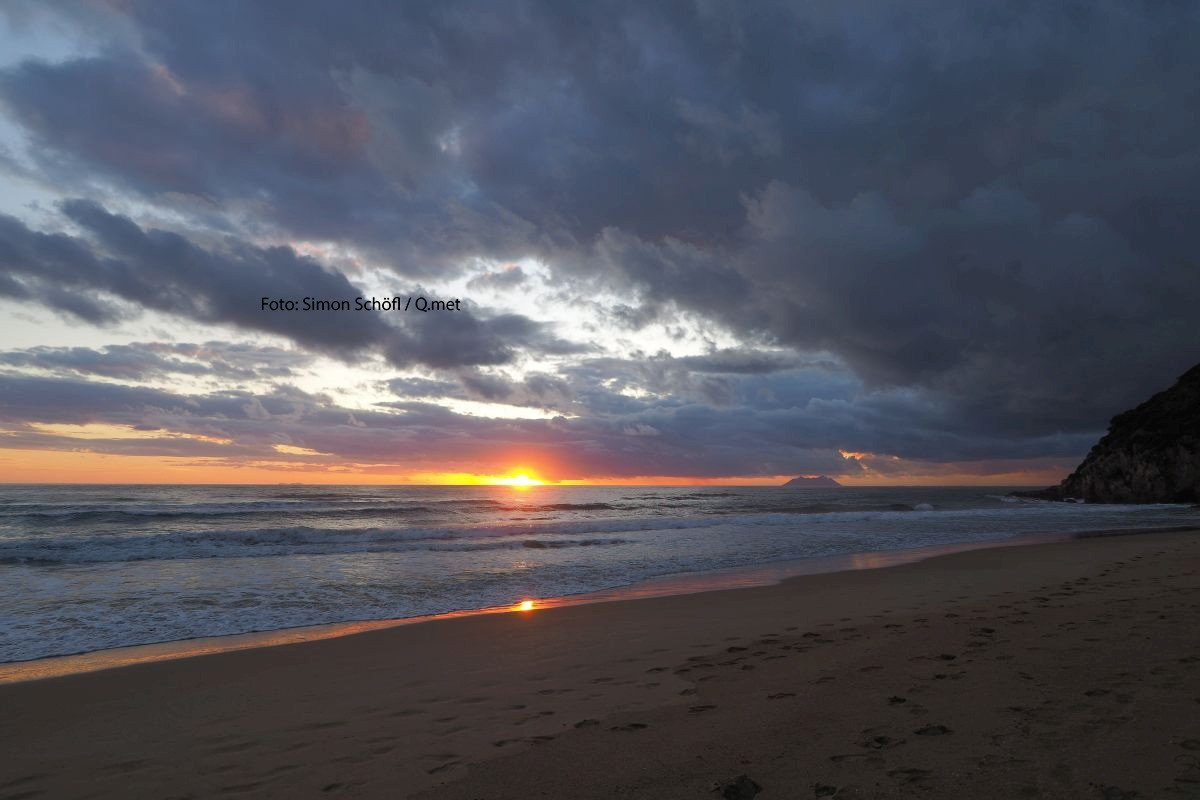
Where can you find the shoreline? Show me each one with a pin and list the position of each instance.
(678, 584)
(1043, 670)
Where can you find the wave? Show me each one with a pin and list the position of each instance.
(266, 542)
(44, 514)
(309, 540)
(533, 509)
(540, 544)
(199, 510)
(47, 545)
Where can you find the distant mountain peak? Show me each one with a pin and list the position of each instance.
(818, 482)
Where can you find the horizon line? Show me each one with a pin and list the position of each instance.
(543, 484)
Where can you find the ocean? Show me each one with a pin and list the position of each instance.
(85, 568)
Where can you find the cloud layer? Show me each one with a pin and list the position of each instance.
(943, 235)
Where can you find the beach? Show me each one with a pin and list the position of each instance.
(1064, 669)
(515, 400)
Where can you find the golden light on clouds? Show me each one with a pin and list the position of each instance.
(292, 450)
(93, 430)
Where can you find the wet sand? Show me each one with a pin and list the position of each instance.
(1053, 670)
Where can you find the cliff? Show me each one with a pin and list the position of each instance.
(1151, 454)
(813, 483)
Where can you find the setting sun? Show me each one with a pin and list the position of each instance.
(520, 481)
(525, 605)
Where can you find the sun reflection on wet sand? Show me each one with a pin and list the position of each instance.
(657, 587)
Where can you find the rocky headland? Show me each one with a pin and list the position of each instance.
(1151, 454)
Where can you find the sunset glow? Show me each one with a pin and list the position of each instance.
(82, 466)
(740, 317)
(518, 481)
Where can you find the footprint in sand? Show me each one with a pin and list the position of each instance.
(933, 730)
(840, 757)
(881, 743)
(910, 774)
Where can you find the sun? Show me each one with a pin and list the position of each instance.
(518, 481)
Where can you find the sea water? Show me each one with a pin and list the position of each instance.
(85, 568)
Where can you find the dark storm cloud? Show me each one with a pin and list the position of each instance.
(143, 360)
(460, 339)
(508, 278)
(742, 362)
(668, 439)
(129, 363)
(243, 426)
(984, 213)
(167, 272)
(164, 271)
(535, 390)
(422, 388)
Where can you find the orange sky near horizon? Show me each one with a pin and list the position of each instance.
(82, 466)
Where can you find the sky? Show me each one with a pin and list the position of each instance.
(691, 242)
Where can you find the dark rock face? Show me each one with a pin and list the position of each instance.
(817, 483)
(1151, 454)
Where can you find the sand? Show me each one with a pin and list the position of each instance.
(1053, 670)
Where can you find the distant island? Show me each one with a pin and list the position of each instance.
(1151, 453)
(818, 482)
